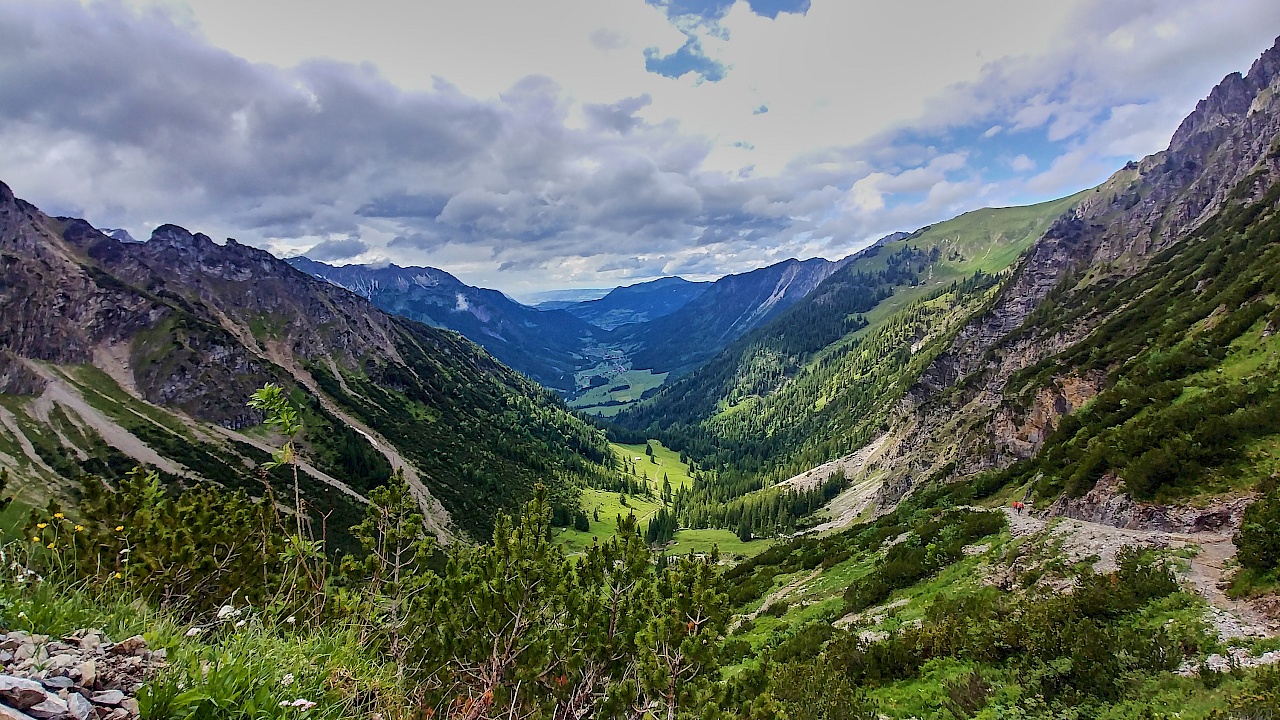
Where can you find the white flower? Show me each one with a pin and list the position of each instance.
(291, 620)
(22, 614)
(225, 611)
(240, 623)
(194, 631)
(302, 704)
(287, 680)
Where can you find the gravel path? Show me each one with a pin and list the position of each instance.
(1080, 539)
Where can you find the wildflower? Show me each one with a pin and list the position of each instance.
(59, 515)
(240, 623)
(125, 551)
(287, 680)
(303, 704)
(118, 576)
(194, 631)
(225, 611)
(42, 526)
(35, 539)
(291, 620)
(22, 614)
(119, 528)
(79, 528)
(50, 546)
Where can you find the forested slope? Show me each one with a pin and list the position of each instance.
(116, 353)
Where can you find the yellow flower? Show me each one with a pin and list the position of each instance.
(42, 525)
(59, 515)
(118, 576)
(119, 528)
(50, 546)
(79, 528)
(35, 539)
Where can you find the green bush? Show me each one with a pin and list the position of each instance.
(1258, 541)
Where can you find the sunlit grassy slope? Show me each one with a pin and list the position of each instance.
(603, 508)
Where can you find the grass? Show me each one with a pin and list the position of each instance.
(607, 506)
(665, 461)
(223, 671)
(702, 541)
(624, 388)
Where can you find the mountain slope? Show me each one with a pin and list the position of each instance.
(1148, 305)
(638, 303)
(112, 353)
(733, 305)
(546, 346)
(788, 394)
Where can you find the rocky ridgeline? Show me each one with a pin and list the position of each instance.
(83, 676)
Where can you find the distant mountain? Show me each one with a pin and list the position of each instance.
(546, 346)
(721, 313)
(560, 299)
(638, 303)
(114, 354)
(119, 234)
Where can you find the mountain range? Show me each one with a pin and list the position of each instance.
(663, 326)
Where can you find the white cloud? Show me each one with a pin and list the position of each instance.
(536, 135)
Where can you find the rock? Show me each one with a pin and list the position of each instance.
(8, 713)
(20, 693)
(53, 708)
(107, 697)
(117, 714)
(130, 705)
(80, 708)
(129, 646)
(26, 651)
(58, 682)
(88, 671)
(60, 662)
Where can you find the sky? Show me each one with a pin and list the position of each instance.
(528, 146)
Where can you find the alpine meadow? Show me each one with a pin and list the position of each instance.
(850, 360)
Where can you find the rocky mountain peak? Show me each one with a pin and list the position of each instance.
(1229, 100)
(6, 196)
(177, 236)
(1266, 68)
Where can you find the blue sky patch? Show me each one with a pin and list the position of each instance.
(688, 58)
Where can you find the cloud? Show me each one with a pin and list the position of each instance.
(527, 145)
(338, 249)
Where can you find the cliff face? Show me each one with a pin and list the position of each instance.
(1226, 152)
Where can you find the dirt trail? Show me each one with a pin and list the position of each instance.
(1081, 539)
(773, 597)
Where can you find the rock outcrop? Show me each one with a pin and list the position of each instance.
(83, 676)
